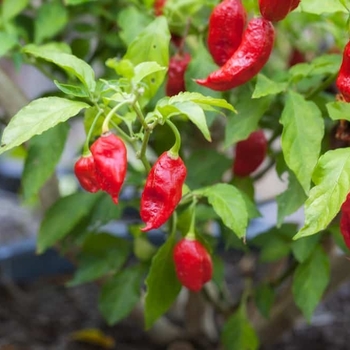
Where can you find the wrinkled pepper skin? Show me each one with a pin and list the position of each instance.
(247, 61)
(163, 190)
(193, 264)
(226, 26)
(276, 10)
(250, 153)
(85, 172)
(343, 79)
(158, 7)
(176, 74)
(110, 157)
(345, 221)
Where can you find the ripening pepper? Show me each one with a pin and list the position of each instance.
(158, 6)
(250, 153)
(276, 10)
(226, 26)
(176, 73)
(193, 264)
(345, 221)
(109, 153)
(85, 171)
(343, 79)
(163, 190)
(247, 61)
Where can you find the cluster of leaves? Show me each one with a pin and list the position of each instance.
(295, 104)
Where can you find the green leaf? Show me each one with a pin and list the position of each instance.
(44, 152)
(162, 283)
(12, 8)
(51, 18)
(319, 7)
(338, 110)
(310, 281)
(276, 249)
(120, 294)
(73, 90)
(101, 254)
(265, 86)
(37, 117)
(290, 200)
(62, 217)
(7, 42)
(144, 69)
(242, 124)
(264, 298)
(303, 247)
(229, 204)
(238, 334)
(77, 2)
(303, 130)
(69, 63)
(332, 183)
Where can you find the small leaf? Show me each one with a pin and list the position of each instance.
(162, 283)
(70, 63)
(338, 110)
(37, 117)
(265, 86)
(73, 209)
(44, 152)
(7, 42)
(144, 69)
(318, 8)
(95, 337)
(303, 130)
(12, 8)
(303, 247)
(73, 90)
(264, 298)
(332, 183)
(310, 281)
(120, 294)
(229, 204)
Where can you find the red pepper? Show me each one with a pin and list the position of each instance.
(226, 25)
(158, 6)
(176, 74)
(193, 264)
(343, 79)
(109, 154)
(345, 221)
(250, 153)
(247, 61)
(276, 10)
(163, 190)
(85, 171)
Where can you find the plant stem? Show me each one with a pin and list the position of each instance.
(174, 151)
(86, 150)
(321, 87)
(105, 125)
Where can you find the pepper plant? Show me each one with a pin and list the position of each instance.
(168, 137)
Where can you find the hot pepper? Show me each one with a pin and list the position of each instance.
(250, 153)
(345, 221)
(247, 61)
(85, 171)
(109, 153)
(226, 25)
(343, 79)
(276, 10)
(158, 6)
(176, 74)
(163, 190)
(193, 264)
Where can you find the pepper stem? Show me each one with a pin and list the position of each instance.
(191, 234)
(86, 150)
(105, 125)
(174, 151)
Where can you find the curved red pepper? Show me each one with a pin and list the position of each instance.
(109, 154)
(158, 6)
(248, 59)
(343, 79)
(176, 74)
(345, 221)
(193, 264)
(276, 10)
(250, 153)
(85, 171)
(226, 26)
(163, 190)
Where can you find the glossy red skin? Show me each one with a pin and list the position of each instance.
(247, 61)
(193, 264)
(276, 10)
(85, 171)
(226, 26)
(110, 157)
(250, 153)
(345, 221)
(163, 191)
(176, 74)
(343, 79)
(158, 6)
